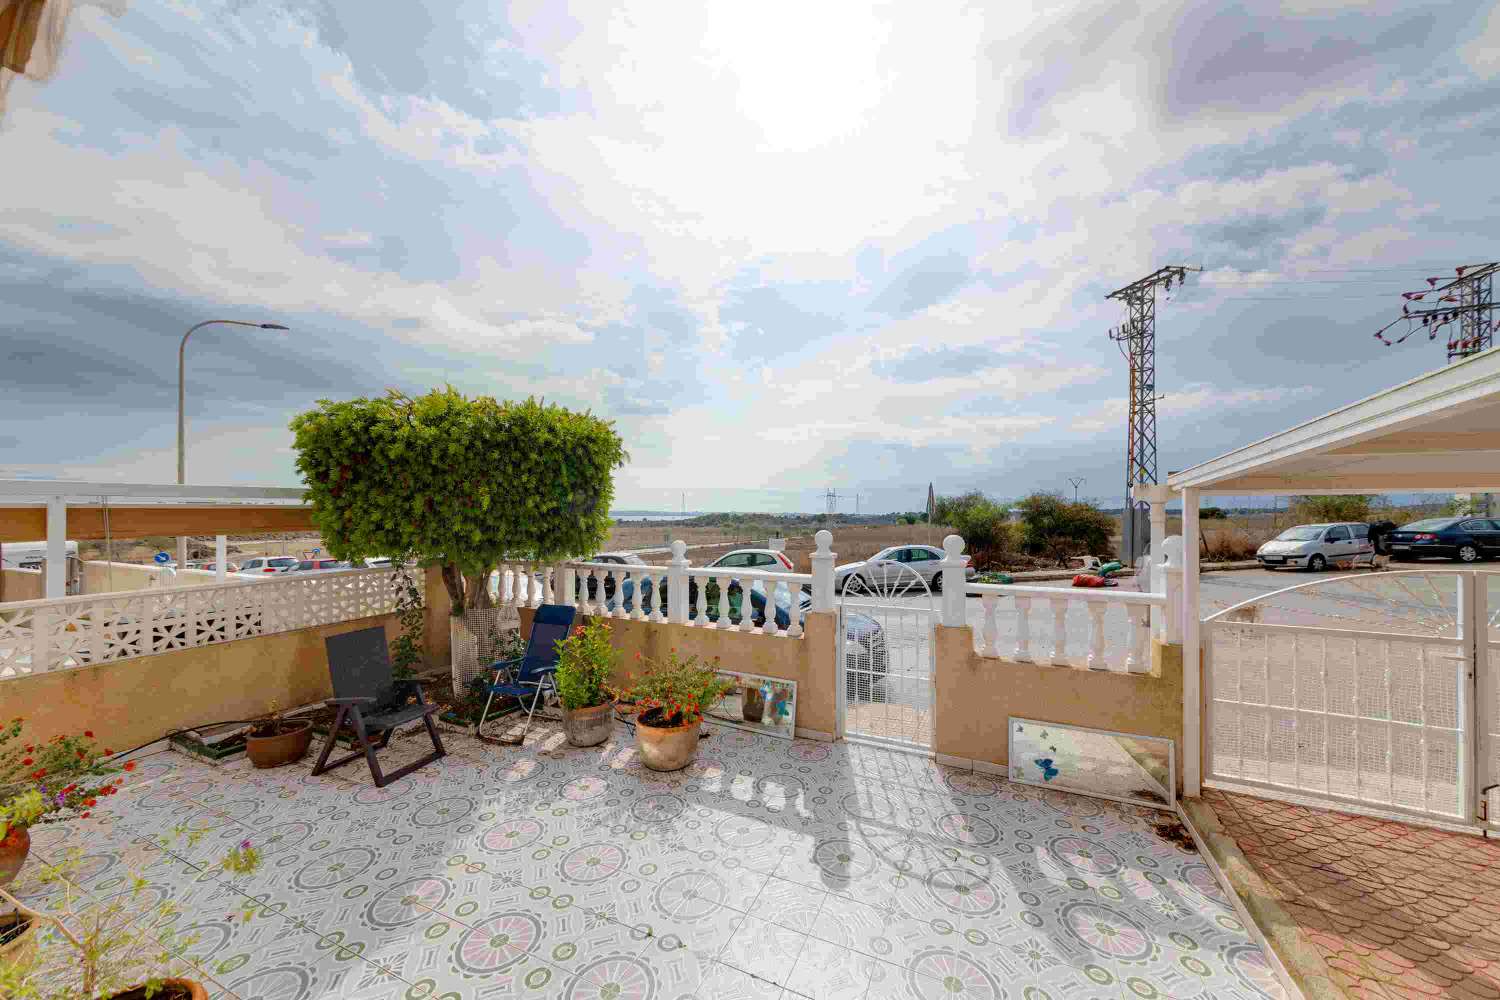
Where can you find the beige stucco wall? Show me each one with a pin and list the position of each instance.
(809, 660)
(132, 701)
(976, 695)
(23, 585)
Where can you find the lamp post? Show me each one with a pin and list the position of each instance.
(182, 409)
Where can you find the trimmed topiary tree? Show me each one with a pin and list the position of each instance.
(457, 482)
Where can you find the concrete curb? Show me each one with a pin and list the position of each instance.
(1302, 960)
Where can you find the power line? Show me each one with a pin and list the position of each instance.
(1467, 299)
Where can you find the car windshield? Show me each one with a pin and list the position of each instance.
(632, 559)
(1300, 534)
(1431, 524)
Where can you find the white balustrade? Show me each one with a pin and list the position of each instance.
(68, 632)
(723, 616)
(1023, 630)
(1129, 652)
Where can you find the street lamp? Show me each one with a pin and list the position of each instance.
(181, 408)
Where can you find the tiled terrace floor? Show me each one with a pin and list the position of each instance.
(766, 869)
(1395, 910)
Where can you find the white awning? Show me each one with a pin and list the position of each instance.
(1439, 432)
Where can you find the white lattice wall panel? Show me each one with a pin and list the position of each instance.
(1364, 718)
(79, 631)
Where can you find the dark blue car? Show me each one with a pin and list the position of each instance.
(1466, 539)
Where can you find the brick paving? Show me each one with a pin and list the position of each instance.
(1395, 910)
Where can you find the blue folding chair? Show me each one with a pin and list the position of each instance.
(529, 675)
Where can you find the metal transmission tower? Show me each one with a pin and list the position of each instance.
(1137, 340)
(1467, 299)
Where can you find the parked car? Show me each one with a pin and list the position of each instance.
(309, 565)
(1466, 539)
(1314, 546)
(887, 567)
(864, 638)
(210, 565)
(769, 560)
(610, 583)
(270, 564)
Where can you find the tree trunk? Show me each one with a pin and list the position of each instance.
(454, 581)
(477, 590)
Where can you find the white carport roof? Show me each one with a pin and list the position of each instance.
(1438, 432)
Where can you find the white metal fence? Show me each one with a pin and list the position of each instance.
(1367, 690)
(58, 634)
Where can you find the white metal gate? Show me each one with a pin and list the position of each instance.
(1375, 690)
(886, 657)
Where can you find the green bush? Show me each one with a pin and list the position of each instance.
(585, 660)
(457, 482)
(1338, 507)
(1057, 528)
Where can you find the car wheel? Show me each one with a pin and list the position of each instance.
(1317, 564)
(937, 583)
(1468, 553)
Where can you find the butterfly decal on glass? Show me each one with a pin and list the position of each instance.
(1048, 770)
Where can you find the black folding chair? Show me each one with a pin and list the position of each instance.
(373, 702)
(529, 675)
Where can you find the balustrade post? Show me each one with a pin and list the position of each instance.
(822, 571)
(1023, 630)
(1172, 588)
(559, 593)
(991, 631)
(570, 591)
(1059, 657)
(1096, 636)
(722, 619)
(1138, 660)
(677, 584)
(768, 627)
(954, 584)
(747, 605)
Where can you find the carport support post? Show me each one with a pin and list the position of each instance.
(954, 585)
(56, 580)
(221, 556)
(1157, 496)
(1192, 651)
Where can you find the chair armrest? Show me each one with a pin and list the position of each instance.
(511, 664)
(349, 701)
(411, 686)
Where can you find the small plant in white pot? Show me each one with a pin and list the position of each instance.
(585, 659)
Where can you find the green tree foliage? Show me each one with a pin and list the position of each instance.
(1058, 528)
(1212, 514)
(1340, 507)
(976, 518)
(457, 482)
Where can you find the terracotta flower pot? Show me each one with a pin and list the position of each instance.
(588, 727)
(289, 744)
(13, 850)
(171, 989)
(666, 748)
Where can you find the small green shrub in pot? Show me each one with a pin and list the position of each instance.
(584, 662)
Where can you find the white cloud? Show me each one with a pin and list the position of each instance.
(1482, 52)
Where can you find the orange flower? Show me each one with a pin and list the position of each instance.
(130, 765)
(107, 751)
(91, 803)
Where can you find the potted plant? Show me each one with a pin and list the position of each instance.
(117, 949)
(273, 740)
(585, 660)
(44, 783)
(672, 695)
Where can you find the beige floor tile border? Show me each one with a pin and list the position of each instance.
(1295, 957)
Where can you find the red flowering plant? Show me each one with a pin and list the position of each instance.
(676, 692)
(56, 780)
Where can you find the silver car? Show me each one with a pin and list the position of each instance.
(888, 567)
(1315, 546)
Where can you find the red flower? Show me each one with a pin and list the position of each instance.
(84, 814)
(88, 734)
(91, 802)
(39, 773)
(107, 751)
(28, 762)
(130, 765)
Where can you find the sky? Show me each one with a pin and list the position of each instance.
(783, 246)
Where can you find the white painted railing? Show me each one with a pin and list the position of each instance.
(62, 633)
(676, 592)
(1052, 605)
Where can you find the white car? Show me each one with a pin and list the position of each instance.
(270, 564)
(888, 566)
(764, 559)
(1316, 546)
